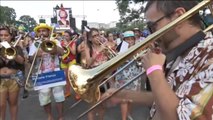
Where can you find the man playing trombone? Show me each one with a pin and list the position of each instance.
(50, 62)
(182, 89)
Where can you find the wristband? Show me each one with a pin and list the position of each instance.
(153, 68)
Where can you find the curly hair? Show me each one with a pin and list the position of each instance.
(12, 31)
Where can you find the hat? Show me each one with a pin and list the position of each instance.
(136, 29)
(145, 33)
(128, 34)
(42, 25)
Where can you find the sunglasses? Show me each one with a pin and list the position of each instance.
(152, 25)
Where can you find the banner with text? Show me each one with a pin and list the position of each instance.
(50, 79)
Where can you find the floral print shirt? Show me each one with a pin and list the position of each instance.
(192, 80)
(126, 75)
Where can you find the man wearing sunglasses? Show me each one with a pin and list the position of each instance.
(181, 74)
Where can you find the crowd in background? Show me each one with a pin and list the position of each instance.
(89, 49)
(177, 67)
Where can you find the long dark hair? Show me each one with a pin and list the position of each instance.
(69, 32)
(89, 39)
(10, 30)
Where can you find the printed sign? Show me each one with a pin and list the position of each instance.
(50, 79)
(63, 18)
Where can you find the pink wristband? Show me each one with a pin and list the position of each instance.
(153, 68)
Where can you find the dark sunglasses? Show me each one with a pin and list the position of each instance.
(152, 25)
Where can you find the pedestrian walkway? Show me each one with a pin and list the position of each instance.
(29, 109)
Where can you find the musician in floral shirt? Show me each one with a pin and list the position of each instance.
(183, 90)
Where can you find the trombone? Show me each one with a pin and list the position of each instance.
(208, 28)
(9, 52)
(86, 82)
(110, 53)
(46, 46)
(66, 48)
(67, 51)
(126, 84)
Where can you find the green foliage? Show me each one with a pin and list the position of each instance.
(30, 22)
(7, 15)
(130, 16)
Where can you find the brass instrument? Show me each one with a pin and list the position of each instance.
(110, 53)
(46, 46)
(10, 52)
(66, 49)
(27, 85)
(208, 28)
(85, 82)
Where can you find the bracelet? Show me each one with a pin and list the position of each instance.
(153, 68)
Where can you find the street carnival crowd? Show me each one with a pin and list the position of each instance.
(179, 89)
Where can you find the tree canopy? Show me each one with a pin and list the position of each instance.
(131, 14)
(7, 15)
(30, 22)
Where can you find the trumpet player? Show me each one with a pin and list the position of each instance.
(50, 63)
(182, 90)
(9, 78)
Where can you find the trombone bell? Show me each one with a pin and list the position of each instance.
(9, 53)
(88, 91)
(48, 46)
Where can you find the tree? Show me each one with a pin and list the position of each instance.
(30, 22)
(130, 16)
(7, 15)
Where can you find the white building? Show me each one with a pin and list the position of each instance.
(101, 25)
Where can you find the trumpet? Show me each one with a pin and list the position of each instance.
(86, 82)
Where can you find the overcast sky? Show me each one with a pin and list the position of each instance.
(95, 11)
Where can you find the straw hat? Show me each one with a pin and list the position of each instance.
(42, 25)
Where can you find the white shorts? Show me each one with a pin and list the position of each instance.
(45, 95)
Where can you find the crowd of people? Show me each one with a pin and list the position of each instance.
(179, 69)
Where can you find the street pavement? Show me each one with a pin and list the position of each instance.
(29, 109)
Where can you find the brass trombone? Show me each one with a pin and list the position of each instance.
(208, 28)
(46, 46)
(66, 48)
(126, 84)
(10, 52)
(110, 53)
(86, 82)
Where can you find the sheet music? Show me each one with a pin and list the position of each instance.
(124, 47)
(5, 44)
